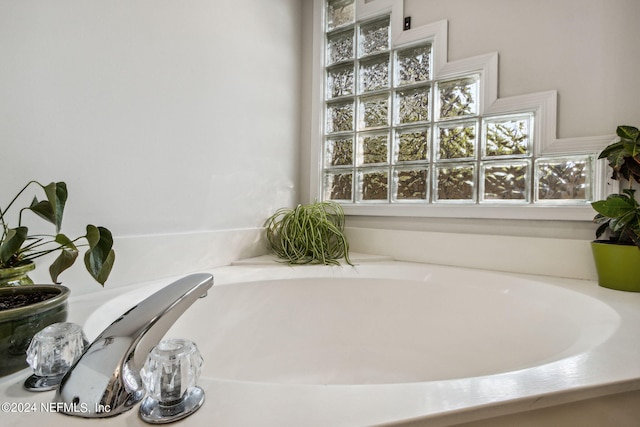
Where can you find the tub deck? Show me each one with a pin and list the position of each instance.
(607, 373)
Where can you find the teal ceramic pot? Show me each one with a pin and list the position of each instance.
(16, 276)
(618, 266)
(19, 325)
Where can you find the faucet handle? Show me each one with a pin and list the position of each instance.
(170, 374)
(51, 353)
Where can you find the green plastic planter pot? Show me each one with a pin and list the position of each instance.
(19, 325)
(618, 266)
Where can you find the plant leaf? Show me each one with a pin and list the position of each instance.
(100, 257)
(12, 243)
(601, 229)
(606, 152)
(43, 209)
(68, 256)
(616, 159)
(628, 132)
(57, 195)
(614, 206)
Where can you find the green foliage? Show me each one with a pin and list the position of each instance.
(507, 139)
(308, 234)
(620, 213)
(624, 155)
(457, 142)
(17, 247)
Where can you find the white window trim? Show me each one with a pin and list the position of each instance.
(544, 104)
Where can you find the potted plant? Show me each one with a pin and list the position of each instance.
(618, 258)
(26, 308)
(311, 233)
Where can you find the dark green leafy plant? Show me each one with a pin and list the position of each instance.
(309, 234)
(620, 213)
(18, 248)
(624, 155)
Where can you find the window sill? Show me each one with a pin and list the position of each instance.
(533, 212)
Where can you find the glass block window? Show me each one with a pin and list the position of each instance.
(395, 133)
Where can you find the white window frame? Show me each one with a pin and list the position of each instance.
(543, 104)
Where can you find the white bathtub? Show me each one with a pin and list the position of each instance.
(386, 342)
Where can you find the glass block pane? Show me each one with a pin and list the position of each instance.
(455, 182)
(340, 117)
(340, 12)
(339, 152)
(563, 179)
(505, 181)
(374, 74)
(374, 184)
(509, 136)
(340, 47)
(413, 65)
(458, 98)
(412, 145)
(338, 186)
(373, 148)
(340, 81)
(457, 141)
(374, 112)
(412, 105)
(411, 184)
(374, 37)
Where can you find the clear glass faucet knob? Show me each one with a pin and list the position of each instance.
(170, 374)
(172, 368)
(51, 353)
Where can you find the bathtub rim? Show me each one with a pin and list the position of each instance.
(597, 375)
(605, 322)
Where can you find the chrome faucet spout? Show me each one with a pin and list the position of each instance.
(105, 381)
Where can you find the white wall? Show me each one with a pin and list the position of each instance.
(585, 49)
(163, 117)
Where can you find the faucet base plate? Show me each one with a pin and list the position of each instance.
(154, 412)
(37, 383)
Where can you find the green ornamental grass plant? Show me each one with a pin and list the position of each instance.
(309, 234)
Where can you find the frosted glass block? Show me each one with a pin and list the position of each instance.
(340, 81)
(412, 105)
(413, 65)
(412, 144)
(411, 184)
(373, 148)
(374, 74)
(457, 141)
(374, 37)
(503, 182)
(338, 186)
(458, 98)
(340, 117)
(567, 178)
(507, 136)
(340, 47)
(455, 182)
(339, 152)
(374, 184)
(339, 13)
(374, 112)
